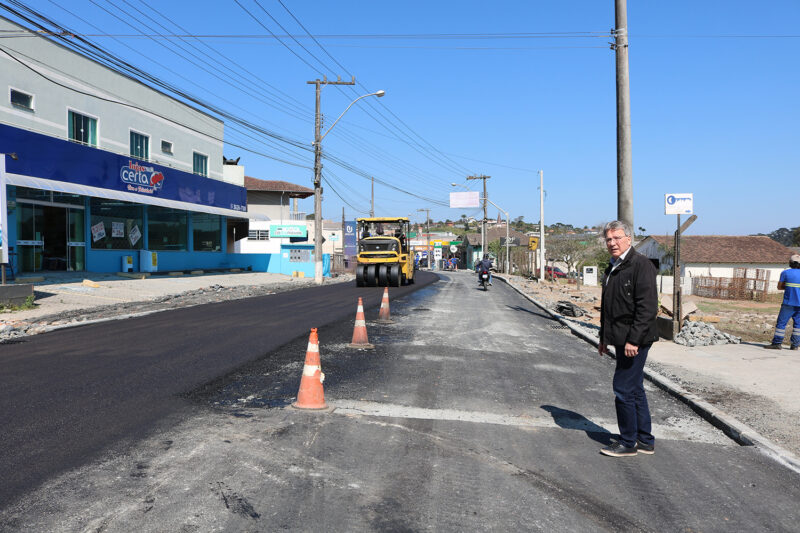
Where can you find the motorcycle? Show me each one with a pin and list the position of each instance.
(484, 277)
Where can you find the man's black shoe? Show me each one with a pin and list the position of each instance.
(617, 449)
(773, 346)
(649, 449)
(795, 347)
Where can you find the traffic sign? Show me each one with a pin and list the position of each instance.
(533, 243)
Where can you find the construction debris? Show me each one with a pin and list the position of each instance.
(703, 334)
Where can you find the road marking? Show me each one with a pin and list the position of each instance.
(685, 429)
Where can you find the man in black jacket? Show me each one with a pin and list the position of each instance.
(628, 322)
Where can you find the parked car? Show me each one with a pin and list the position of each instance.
(555, 272)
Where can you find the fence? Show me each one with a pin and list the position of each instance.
(746, 284)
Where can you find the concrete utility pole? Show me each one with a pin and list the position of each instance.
(318, 175)
(483, 223)
(624, 160)
(541, 225)
(427, 234)
(372, 199)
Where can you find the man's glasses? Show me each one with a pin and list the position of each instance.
(615, 239)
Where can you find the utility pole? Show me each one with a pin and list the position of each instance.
(372, 199)
(318, 174)
(541, 226)
(624, 160)
(427, 234)
(483, 224)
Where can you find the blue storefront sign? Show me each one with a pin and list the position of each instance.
(50, 158)
(350, 240)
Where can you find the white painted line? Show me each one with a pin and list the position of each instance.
(685, 429)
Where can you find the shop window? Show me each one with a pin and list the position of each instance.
(207, 232)
(166, 147)
(258, 234)
(115, 225)
(22, 100)
(299, 256)
(25, 193)
(140, 145)
(167, 229)
(82, 129)
(200, 164)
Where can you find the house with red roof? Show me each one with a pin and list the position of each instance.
(718, 255)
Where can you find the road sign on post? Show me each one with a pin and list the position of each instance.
(533, 243)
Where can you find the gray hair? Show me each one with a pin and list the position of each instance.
(617, 224)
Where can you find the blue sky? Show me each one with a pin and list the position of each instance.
(714, 108)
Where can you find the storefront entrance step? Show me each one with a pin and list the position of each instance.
(29, 279)
(134, 275)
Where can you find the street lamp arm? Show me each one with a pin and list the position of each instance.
(377, 93)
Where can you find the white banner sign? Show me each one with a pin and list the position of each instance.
(465, 199)
(678, 204)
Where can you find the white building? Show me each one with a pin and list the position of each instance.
(105, 166)
(718, 255)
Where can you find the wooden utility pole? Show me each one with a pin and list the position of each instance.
(624, 159)
(318, 174)
(485, 215)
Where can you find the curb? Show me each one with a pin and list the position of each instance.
(737, 431)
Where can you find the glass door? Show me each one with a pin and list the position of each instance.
(76, 244)
(30, 241)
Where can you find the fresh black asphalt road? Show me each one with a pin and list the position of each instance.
(68, 394)
(475, 412)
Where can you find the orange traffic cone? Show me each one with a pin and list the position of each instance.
(360, 330)
(383, 314)
(311, 395)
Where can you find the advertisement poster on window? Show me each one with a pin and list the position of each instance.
(134, 235)
(350, 238)
(117, 229)
(98, 231)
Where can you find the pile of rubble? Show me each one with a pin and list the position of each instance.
(702, 334)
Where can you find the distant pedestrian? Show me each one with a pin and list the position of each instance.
(789, 283)
(629, 305)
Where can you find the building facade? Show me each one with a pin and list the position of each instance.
(100, 167)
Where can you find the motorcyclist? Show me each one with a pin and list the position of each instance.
(484, 264)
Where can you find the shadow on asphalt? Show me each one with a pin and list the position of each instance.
(542, 315)
(571, 420)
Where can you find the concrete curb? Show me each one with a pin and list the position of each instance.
(739, 432)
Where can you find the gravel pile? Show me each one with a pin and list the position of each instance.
(702, 334)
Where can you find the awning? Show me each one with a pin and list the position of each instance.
(98, 192)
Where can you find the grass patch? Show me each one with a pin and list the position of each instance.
(29, 304)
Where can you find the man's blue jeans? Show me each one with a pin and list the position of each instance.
(633, 413)
(788, 311)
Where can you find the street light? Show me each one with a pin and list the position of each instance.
(318, 171)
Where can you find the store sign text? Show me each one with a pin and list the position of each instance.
(140, 178)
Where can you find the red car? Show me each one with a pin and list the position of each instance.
(554, 272)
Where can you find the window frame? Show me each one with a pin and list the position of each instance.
(171, 146)
(132, 132)
(71, 110)
(12, 90)
(194, 170)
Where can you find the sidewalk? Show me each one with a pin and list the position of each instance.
(751, 393)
